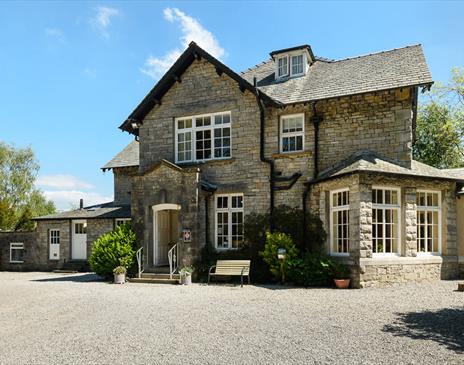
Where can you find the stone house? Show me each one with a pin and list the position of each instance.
(63, 241)
(333, 137)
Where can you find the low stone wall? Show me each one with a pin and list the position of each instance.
(375, 273)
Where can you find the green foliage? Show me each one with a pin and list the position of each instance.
(311, 270)
(113, 249)
(286, 220)
(341, 271)
(186, 270)
(440, 125)
(19, 200)
(118, 270)
(275, 241)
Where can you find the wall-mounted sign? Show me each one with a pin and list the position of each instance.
(187, 235)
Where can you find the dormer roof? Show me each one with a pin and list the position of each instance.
(303, 47)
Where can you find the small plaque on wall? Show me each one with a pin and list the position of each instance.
(187, 235)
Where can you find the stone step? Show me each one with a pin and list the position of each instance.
(154, 281)
(157, 270)
(150, 275)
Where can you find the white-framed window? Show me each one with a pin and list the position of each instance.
(54, 236)
(203, 137)
(386, 211)
(292, 133)
(340, 222)
(229, 221)
(16, 253)
(297, 65)
(120, 221)
(428, 222)
(282, 66)
(80, 228)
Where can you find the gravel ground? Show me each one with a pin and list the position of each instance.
(71, 319)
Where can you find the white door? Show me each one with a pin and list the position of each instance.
(79, 240)
(164, 230)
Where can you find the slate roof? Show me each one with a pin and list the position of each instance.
(368, 161)
(129, 156)
(326, 79)
(102, 211)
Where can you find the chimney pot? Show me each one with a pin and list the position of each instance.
(81, 204)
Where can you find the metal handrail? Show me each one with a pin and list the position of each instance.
(172, 257)
(139, 255)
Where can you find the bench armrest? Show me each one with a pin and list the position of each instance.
(211, 268)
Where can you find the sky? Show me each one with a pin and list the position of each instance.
(71, 72)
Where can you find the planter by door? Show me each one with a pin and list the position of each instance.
(79, 240)
(342, 283)
(119, 278)
(186, 279)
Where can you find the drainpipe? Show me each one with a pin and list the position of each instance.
(316, 120)
(263, 158)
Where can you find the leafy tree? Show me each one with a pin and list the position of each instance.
(19, 200)
(440, 125)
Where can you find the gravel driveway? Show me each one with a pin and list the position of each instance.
(70, 319)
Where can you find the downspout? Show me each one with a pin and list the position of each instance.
(263, 158)
(315, 120)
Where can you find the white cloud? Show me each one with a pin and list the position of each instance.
(56, 34)
(191, 30)
(90, 72)
(69, 199)
(102, 20)
(63, 182)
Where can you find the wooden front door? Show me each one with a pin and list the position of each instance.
(166, 232)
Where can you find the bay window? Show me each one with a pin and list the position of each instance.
(385, 220)
(292, 133)
(229, 221)
(204, 137)
(428, 222)
(340, 222)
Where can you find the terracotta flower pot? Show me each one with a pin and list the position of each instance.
(342, 283)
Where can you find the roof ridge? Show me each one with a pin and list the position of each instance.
(255, 66)
(376, 53)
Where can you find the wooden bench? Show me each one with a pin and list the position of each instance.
(231, 268)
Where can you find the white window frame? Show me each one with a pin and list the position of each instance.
(16, 246)
(338, 209)
(291, 134)
(193, 131)
(430, 209)
(122, 220)
(287, 73)
(303, 60)
(384, 207)
(51, 237)
(229, 210)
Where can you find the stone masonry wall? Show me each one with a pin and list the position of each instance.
(123, 184)
(30, 260)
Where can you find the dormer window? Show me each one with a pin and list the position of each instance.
(297, 65)
(282, 66)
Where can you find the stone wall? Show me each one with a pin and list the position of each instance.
(123, 184)
(31, 262)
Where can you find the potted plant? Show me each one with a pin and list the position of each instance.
(341, 276)
(119, 275)
(186, 275)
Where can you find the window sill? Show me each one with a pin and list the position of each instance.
(400, 260)
(16, 262)
(206, 162)
(339, 254)
(295, 154)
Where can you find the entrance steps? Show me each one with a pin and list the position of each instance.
(156, 278)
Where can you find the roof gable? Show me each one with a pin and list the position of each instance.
(174, 74)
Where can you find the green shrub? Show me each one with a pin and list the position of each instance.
(286, 220)
(113, 249)
(275, 241)
(311, 270)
